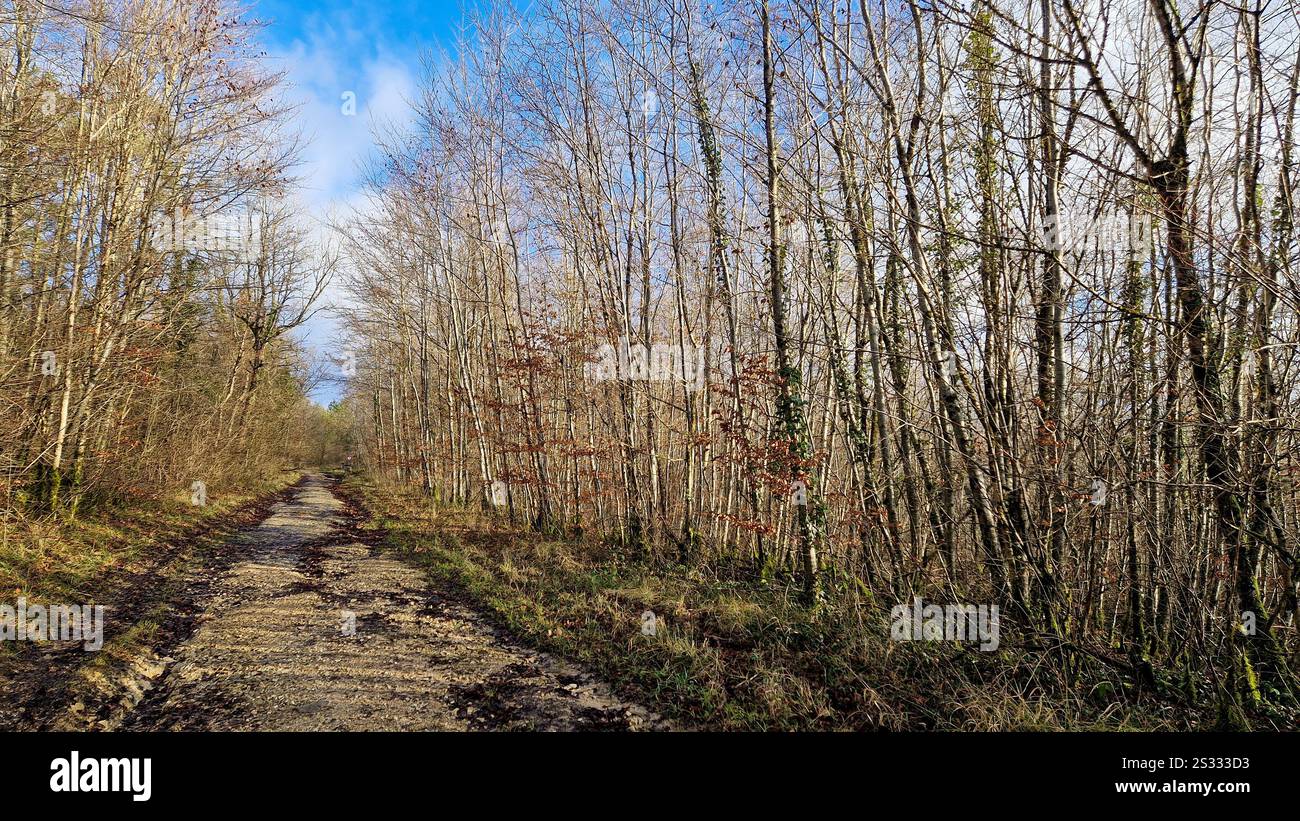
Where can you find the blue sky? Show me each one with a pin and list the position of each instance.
(330, 48)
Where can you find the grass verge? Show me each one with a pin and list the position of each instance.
(730, 653)
(138, 561)
(51, 560)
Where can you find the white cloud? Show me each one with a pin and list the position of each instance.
(319, 70)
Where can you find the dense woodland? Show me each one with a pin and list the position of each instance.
(996, 303)
(148, 276)
(987, 301)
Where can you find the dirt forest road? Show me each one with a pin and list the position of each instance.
(315, 630)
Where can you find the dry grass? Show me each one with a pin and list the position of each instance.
(49, 559)
(734, 655)
(136, 561)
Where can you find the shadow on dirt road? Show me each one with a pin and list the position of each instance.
(307, 627)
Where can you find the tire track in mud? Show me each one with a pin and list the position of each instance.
(272, 648)
(57, 686)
